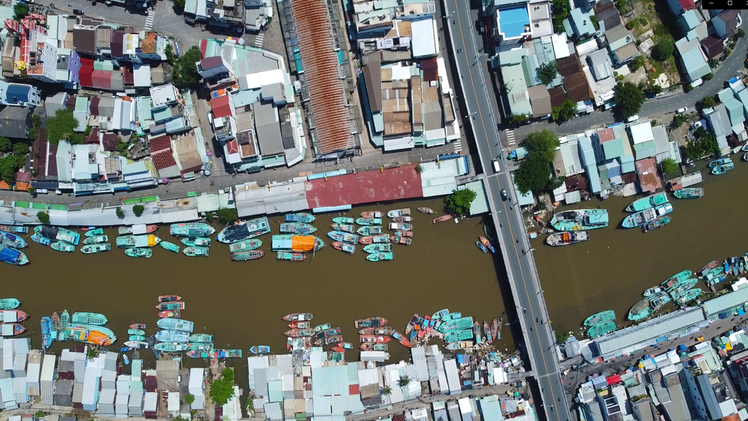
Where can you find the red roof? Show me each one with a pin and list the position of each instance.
(220, 106)
(393, 184)
(84, 75)
(160, 143)
(163, 159)
(232, 147)
(24, 177)
(102, 79)
(353, 389)
(616, 378)
(649, 181)
(687, 4)
(127, 74)
(606, 135)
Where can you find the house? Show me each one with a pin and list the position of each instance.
(514, 81)
(540, 100)
(19, 94)
(512, 24)
(580, 22)
(211, 67)
(15, 122)
(607, 16)
(643, 140)
(726, 23)
(575, 82)
(665, 149)
(693, 59)
(424, 42)
(268, 132)
(84, 39)
(680, 6)
(600, 64)
(621, 44)
(733, 106)
(689, 20)
(713, 47)
(719, 123)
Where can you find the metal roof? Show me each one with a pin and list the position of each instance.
(268, 129)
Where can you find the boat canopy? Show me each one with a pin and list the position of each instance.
(10, 255)
(302, 243)
(139, 229)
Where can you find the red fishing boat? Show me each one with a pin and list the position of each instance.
(12, 316)
(140, 326)
(400, 338)
(172, 314)
(168, 298)
(338, 348)
(299, 325)
(384, 330)
(300, 333)
(371, 214)
(298, 317)
(380, 339)
(442, 219)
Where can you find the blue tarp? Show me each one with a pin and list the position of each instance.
(9, 255)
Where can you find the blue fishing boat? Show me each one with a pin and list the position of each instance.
(173, 336)
(297, 228)
(46, 332)
(371, 230)
(648, 202)
(82, 317)
(480, 246)
(176, 324)
(169, 246)
(720, 161)
(244, 230)
(343, 220)
(259, 349)
(41, 240)
(580, 219)
(344, 227)
(642, 217)
(369, 221)
(11, 240)
(306, 218)
(18, 229)
(94, 232)
(721, 169)
(343, 236)
(191, 229)
(196, 242)
(13, 256)
(245, 245)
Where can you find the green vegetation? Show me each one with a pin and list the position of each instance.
(120, 213)
(39, 414)
(36, 124)
(250, 404)
(20, 10)
(708, 76)
(708, 102)
(669, 166)
(387, 390)
(704, 144)
(560, 12)
(741, 33)
(179, 4)
(637, 63)
(92, 353)
(547, 72)
(8, 168)
(565, 112)
(663, 50)
(459, 201)
(419, 169)
(534, 173)
(403, 381)
(227, 215)
(5, 145)
(643, 21)
(209, 217)
(593, 19)
(629, 98)
(189, 398)
(222, 390)
(632, 24)
(61, 126)
(185, 72)
(517, 119)
(713, 62)
(561, 337)
(138, 210)
(678, 120)
(169, 52)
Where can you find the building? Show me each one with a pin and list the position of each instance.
(726, 23)
(621, 44)
(15, 121)
(18, 94)
(512, 24)
(719, 124)
(680, 6)
(513, 77)
(693, 59)
(713, 47)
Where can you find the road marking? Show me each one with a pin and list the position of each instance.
(485, 134)
(259, 39)
(510, 137)
(149, 21)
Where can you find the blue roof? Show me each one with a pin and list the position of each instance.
(490, 409)
(594, 177)
(689, 20)
(16, 93)
(512, 21)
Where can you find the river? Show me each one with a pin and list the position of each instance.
(613, 268)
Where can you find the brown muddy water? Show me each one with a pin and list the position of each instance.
(241, 303)
(613, 268)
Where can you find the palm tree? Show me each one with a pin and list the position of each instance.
(387, 390)
(403, 381)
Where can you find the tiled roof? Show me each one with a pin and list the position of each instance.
(232, 147)
(220, 106)
(606, 135)
(211, 62)
(159, 143)
(85, 73)
(163, 159)
(101, 79)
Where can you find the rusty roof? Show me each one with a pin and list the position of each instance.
(321, 68)
(148, 44)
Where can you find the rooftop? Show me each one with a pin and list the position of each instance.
(512, 21)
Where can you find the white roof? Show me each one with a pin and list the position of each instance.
(641, 132)
(560, 49)
(423, 44)
(260, 79)
(151, 402)
(173, 402)
(141, 75)
(196, 381)
(48, 367)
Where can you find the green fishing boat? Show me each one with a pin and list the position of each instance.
(602, 317)
(86, 318)
(62, 246)
(191, 229)
(640, 310)
(201, 338)
(378, 248)
(350, 228)
(94, 232)
(294, 257)
(136, 338)
(689, 193)
(380, 257)
(9, 303)
(169, 246)
(688, 296)
(601, 329)
(136, 332)
(456, 324)
(96, 248)
(196, 242)
(96, 239)
(242, 256)
(245, 245)
(196, 251)
(681, 288)
(675, 279)
(460, 335)
(139, 252)
(342, 220)
(658, 300)
(580, 219)
(369, 221)
(371, 230)
(300, 228)
(657, 223)
(647, 202)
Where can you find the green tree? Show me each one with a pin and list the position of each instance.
(61, 127)
(227, 215)
(138, 210)
(543, 143)
(387, 390)
(629, 98)
(637, 63)
(547, 72)
(179, 4)
(222, 390)
(120, 213)
(713, 62)
(39, 414)
(92, 353)
(678, 120)
(663, 50)
(403, 381)
(189, 398)
(703, 144)
(560, 12)
(43, 217)
(20, 10)
(169, 52)
(250, 404)
(8, 168)
(185, 72)
(669, 166)
(565, 112)
(708, 76)
(517, 119)
(5, 145)
(708, 102)
(593, 19)
(741, 33)
(533, 174)
(20, 148)
(459, 201)
(209, 217)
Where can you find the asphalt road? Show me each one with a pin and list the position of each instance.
(515, 247)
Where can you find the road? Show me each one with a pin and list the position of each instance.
(515, 247)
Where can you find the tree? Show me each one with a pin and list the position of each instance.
(20, 10)
(708, 102)
(32, 191)
(5, 145)
(179, 4)
(227, 215)
(678, 120)
(120, 213)
(222, 390)
(593, 19)
(547, 72)
(61, 127)
(543, 143)
(209, 217)
(189, 398)
(669, 166)
(533, 174)
(565, 112)
(517, 119)
(704, 144)
(387, 390)
(8, 168)
(20, 148)
(169, 52)
(663, 50)
(403, 381)
(629, 98)
(185, 72)
(741, 33)
(708, 76)
(250, 404)
(39, 414)
(138, 210)
(713, 62)
(637, 63)
(459, 201)
(560, 12)
(42, 217)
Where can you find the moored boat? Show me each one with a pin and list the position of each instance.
(566, 238)
(442, 218)
(137, 338)
(640, 310)
(689, 193)
(481, 247)
(259, 349)
(721, 169)
(580, 219)
(13, 256)
(378, 248)
(86, 318)
(294, 257)
(375, 346)
(243, 256)
(244, 230)
(93, 232)
(96, 248)
(652, 291)
(371, 214)
(398, 212)
(343, 236)
(41, 239)
(11, 329)
(300, 333)
(648, 202)
(601, 317)
(424, 210)
(344, 247)
(96, 239)
(201, 338)
(297, 243)
(172, 335)
(395, 239)
(658, 300)
(319, 328)
(709, 266)
(16, 229)
(370, 322)
(170, 347)
(14, 316)
(176, 324)
(402, 219)
(343, 220)
(487, 243)
(170, 305)
(398, 226)
(169, 313)
(12, 240)
(344, 227)
(380, 339)
(139, 252)
(675, 279)
(601, 329)
(688, 296)
(196, 242)
(297, 228)
(403, 233)
(132, 331)
(642, 217)
(191, 229)
(169, 246)
(169, 298)
(245, 245)
(137, 241)
(9, 303)
(380, 257)
(681, 288)
(294, 317)
(304, 325)
(46, 324)
(720, 161)
(374, 239)
(137, 229)
(306, 218)
(657, 223)
(196, 251)
(62, 246)
(369, 221)
(370, 230)
(137, 345)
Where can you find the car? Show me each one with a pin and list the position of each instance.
(496, 166)
(481, 26)
(681, 110)
(207, 167)
(42, 191)
(632, 118)
(78, 11)
(504, 195)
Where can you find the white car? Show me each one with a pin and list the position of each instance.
(681, 110)
(632, 118)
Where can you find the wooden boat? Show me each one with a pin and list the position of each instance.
(424, 210)
(259, 349)
(681, 288)
(344, 247)
(168, 298)
(657, 223)
(169, 246)
(487, 243)
(302, 325)
(172, 336)
(720, 161)
(11, 329)
(415, 320)
(297, 228)
(396, 239)
(196, 251)
(337, 348)
(343, 237)
(57, 233)
(96, 248)
(139, 252)
(46, 325)
(295, 317)
(137, 241)
(140, 326)
(642, 217)
(62, 246)
(404, 233)
(380, 339)
(176, 324)
(244, 230)
(380, 257)
(689, 193)
(721, 169)
(400, 338)
(247, 255)
(370, 230)
(344, 227)
(15, 316)
(601, 329)
(496, 328)
(439, 314)
(601, 317)
(300, 333)
(86, 318)
(476, 333)
(674, 280)
(580, 219)
(294, 257)
(169, 313)
(382, 330)
(191, 229)
(402, 219)
(93, 232)
(688, 296)
(657, 301)
(369, 221)
(41, 239)
(397, 226)
(374, 346)
(652, 291)
(374, 239)
(96, 239)
(558, 239)
(9, 303)
(16, 229)
(648, 202)
(196, 242)
(306, 218)
(371, 214)
(343, 220)
(481, 247)
(398, 212)
(147, 229)
(709, 266)
(245, 245)
(321, 328)
(442, 219)
(170, 305)
(370, 322)
(378, 248)
(137, 345)
(12, 240)
(138, 338)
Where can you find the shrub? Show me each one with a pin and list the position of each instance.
(42, 217)
(138, 210)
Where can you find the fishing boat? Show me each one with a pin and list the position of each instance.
(439, 314)
(402, 219)
(9, 304)
(648, 202)
(567, 238)
(459, 335)
(681, 288)
(343, 236)
(371, 214)
(319, 328)
(400, 240)
(456, 324)
(688, 296)
(580, 219)
(176, 324)
(304, 325)
(86, 318)
(140, 332)
(200, 354)
(137, 241)
(300, 333)
(90, 232)
(598, 318)
(375, 346)
(398, 212)
(13, 316)
(294, 257)
(170, 347)
(169, 246)
(172, 335)
(169, 298)
(297, 243)
(378, 248)
(170, 305)
(370, 230)
(245, 245)
(259, 349)
(136, 345)
(721, 169)
(169, 313)
(96, 239)
(47, 339)
(709, 266)
(481, 247)
(13, 256)
(201, 337)
(41, 239)
(344, 247)
(137, 338)
(137, 229)
(227, 353)
(601, 329)
(139, 252)
(16, 229)
(640, 310)
(343, 220)
(414, 321)
(370, 322)
(191, 229)
(657, 223)
(244, 230)
(675, 279)
(715, 280)
(424, 210)
(196, 251)
(96, 248)
(369, 221)
(297, 228)
(344, 227)
(296, 317)
(11, 329)
(306, 218)
(642, 217)
(689, 193)
(243, 256)
(442, 218)
(477, 334)
(139, 326)
(380, 257)
(404, 233)
(62, 246)
(382, 330)
(397, 226)
(496, 328)
(720, 161)
(374, 239)
(56, 233)
(11, 240)
(380, 339)
(487, 332)
(487, 243)
(652, 291)
(196, 242)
